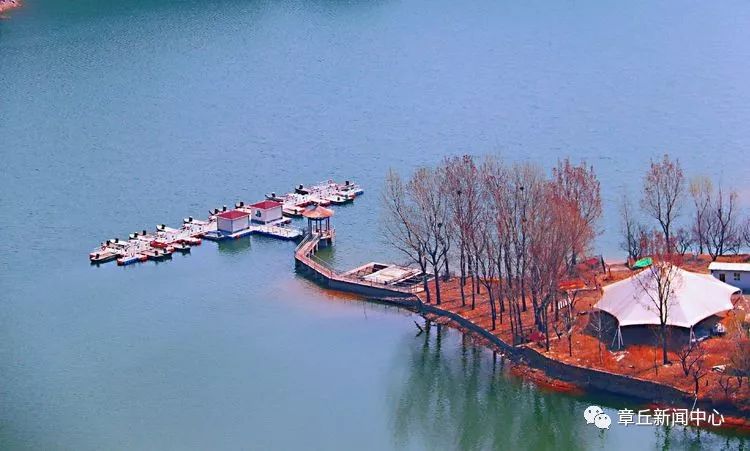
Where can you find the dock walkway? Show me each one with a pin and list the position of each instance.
(275, 231)
(305, 259)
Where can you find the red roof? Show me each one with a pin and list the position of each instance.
(232, 214)
(318, 213)
(266, 205)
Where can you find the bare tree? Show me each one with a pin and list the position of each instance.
(463, 191)
(689, 355)
(631, 231)
(693, 362)
(723, 234)
(683, 241)
(551, 238)
(600, 328)
(503, 189)
(489, 247)
(700, 191)
(659, 283)
(433, 216)
(402, 227)
(663, 192)
(725, 382)
(568, 316)
(740, 358)
(699, 368)
(579, 187)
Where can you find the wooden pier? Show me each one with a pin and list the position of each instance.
(307, 263)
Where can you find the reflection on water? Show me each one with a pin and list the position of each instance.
(234, 246)
(144, 112)
(459, 395)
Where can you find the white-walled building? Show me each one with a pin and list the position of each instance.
(735, 274)
(266, 211)
(232, 221)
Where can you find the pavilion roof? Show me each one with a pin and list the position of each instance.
(318, 213)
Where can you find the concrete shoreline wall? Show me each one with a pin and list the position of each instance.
(586, 378)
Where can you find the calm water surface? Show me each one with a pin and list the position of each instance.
(115, 116)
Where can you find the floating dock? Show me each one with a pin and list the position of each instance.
(323, 193)
(270, 218)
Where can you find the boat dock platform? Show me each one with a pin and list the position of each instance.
(323, 193)
(270, 230)
(268, 218)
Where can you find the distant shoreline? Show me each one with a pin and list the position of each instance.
(9, 5)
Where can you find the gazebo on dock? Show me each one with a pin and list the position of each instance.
(319, 222)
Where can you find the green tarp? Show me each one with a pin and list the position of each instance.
(642, 263)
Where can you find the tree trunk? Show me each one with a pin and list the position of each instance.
(519, 321)
(500, 296)
(426, 286)
(476, 275)
(546, 328)
(556, 308)
(473, 294)
(665, 360)
(492, 307)
(462, 264)
(436, 268)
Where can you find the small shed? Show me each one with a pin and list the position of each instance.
(735, 274)
(232, 221)
(266, 211)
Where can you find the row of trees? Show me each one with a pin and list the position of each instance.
(713, 226)
(689, 215)
(511, 231)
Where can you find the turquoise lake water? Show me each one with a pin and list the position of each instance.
(117, 116)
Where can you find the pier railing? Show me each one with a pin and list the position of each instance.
(305, 253)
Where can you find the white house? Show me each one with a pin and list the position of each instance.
(266, 211)
(232, 221)
(735, 274)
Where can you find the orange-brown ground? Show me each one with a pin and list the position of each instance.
(642, 361)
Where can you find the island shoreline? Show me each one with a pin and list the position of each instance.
(559, 374)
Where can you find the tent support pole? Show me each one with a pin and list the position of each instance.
(692, 336)
(618, 338)
(614, 338)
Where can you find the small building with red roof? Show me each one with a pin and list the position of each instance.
(266, 211)
(232, 221)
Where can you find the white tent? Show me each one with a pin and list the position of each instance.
(694, 297)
